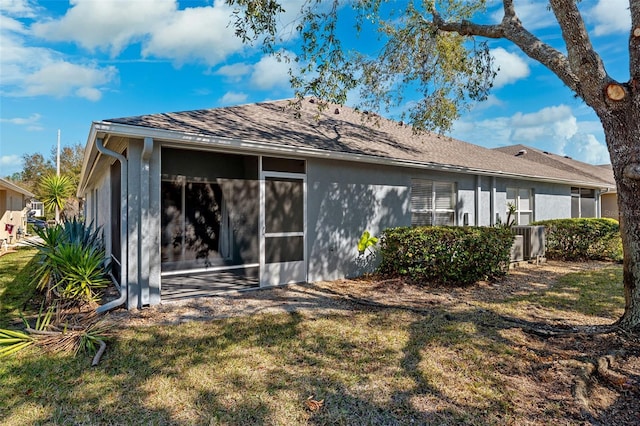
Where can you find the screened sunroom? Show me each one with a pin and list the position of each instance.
(213, 207)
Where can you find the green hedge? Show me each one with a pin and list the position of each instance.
(446, 254)
(583, 239)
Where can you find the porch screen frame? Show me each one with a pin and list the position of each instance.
(264, 273)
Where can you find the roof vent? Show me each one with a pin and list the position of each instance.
(521, 152)
(337, 111)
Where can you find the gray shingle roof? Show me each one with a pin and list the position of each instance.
(344, 130)
(587, 171)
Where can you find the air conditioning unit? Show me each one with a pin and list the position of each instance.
(534, 242)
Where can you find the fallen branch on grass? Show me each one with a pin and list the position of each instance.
(98, 355)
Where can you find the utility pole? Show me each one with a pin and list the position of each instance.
(58, 174)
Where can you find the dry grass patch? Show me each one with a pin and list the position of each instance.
(431, 356)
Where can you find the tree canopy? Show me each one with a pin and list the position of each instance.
(36, 166)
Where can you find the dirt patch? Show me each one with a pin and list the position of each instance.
(579, 377)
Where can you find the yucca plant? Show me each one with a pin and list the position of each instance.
(80, 271)
(54, 191)
(12, 341)
(88, 334)
(71, 261)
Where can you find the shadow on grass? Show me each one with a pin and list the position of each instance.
(370, 366)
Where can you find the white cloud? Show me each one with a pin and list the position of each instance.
(510, 67)
(234, 72)
(586, 147)
(35, 71)
(491, 102)
(270, 73)
(63, 79)
(200, 33)
(8, 25)
(233, 98)
(22, 121)
(107, 24)
(10, 164)
(11, 160)
(610, 16)
(555, 129)
(18, 8)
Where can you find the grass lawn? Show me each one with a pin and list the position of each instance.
(369, 366)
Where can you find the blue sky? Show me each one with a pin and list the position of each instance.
(64, 64)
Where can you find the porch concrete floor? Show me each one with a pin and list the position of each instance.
(203, 284)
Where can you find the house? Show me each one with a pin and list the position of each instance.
(13, 211)
(265, 194)
(585, 202)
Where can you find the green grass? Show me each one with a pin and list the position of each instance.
(596, 293)
(15, 292)
(369, 367)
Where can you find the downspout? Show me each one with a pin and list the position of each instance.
(478, 197)
(492, 202)
(124, 282)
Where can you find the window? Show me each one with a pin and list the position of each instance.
(432, 203)
(583, 202)
(522, 199)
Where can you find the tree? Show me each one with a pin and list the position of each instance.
(54, 191)
(35, 166)
(434, 48)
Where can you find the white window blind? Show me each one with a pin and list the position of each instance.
(432, 203)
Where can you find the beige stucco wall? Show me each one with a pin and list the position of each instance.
(609, 206)
(12, 212)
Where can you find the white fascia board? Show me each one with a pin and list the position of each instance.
(15, 188)
(186, 139)
(87, 161)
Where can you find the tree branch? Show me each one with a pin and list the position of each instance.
(467, 28)
(511, 29)
(583, 60)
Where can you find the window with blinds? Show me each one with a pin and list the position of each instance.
(522, 198)
(432, 203)
(583, 202)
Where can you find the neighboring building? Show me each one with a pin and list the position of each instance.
(13, 211)
(585, 201)
(262, 194)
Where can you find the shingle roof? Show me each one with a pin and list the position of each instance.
(12, 186)
(344, 130)
(568, 164)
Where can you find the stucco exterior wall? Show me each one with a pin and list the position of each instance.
(344, 199)
(609, 207)
(550, 201)
(12, 212)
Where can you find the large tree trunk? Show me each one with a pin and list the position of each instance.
(622, 131)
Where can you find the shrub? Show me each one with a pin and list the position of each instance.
(446, 255)
(71, 262)
(583, 239)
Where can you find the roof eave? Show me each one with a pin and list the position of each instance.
(194, 139)
(12, 186)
